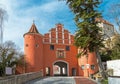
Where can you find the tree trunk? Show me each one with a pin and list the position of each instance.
(100, 66)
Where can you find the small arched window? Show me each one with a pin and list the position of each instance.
(26, 45)
(37, 45)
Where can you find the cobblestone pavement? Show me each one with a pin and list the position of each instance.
(62, 80)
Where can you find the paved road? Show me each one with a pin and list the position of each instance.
(62, 80)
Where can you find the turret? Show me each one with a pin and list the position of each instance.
(33, 48)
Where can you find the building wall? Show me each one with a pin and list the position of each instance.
(107, 28)
(33, 48)
(51, 56)
(88, 65)
(113, 64)
(108, 32)
(60, 38)
(114, 80)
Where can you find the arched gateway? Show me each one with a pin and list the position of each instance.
(54, 53)
(60, 68)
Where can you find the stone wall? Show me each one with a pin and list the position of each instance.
(114, 65)
(20, 79)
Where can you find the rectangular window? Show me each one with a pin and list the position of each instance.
(92, 67)
(67, 48)
(73, 71)
(82, 67)
(51, 47)
(47, 71)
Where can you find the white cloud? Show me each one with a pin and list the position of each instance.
(16, 26)
(20, 19)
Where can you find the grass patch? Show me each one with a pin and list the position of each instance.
(104, 81)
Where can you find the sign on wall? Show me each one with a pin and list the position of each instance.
(60, 54)
(8, 71)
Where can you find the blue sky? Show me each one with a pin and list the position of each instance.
(46, 14)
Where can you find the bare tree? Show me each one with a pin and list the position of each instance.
(114, 14)
(3, 16)
(10, 56)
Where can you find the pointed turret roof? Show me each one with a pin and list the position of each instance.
(33, 29)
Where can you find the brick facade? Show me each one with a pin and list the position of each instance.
(54, 53)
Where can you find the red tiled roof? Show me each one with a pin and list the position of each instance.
(103, 21)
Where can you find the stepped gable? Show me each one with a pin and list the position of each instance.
(58, 35)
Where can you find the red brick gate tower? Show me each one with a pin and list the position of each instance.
(33, 47)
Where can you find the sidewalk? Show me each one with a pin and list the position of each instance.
(82, 80)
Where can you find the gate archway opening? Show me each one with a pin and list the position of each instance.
(60, 68)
